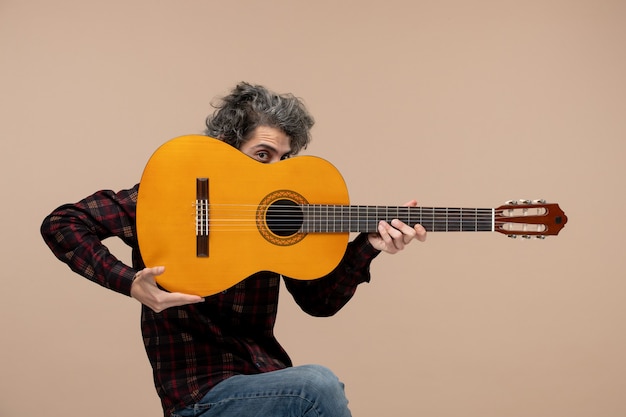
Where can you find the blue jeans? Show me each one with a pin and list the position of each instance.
(301, 391)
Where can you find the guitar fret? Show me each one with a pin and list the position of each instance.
(305, 222)
(362, 218)
(339, 219)
(327, 216)
(475, 220)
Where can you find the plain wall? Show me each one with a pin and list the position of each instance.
(453, 103)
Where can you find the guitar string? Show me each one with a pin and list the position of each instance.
(437, 217)
(246, 219)
(437, 227)
(331, 209)
(346, 209)
(352, 213)
(287, 224)
(364, 212)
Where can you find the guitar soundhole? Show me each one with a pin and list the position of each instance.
(284, 217)
(279, 217)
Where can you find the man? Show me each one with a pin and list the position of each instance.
(218, 355)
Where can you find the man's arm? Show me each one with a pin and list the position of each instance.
(326, 296)
(74, 233)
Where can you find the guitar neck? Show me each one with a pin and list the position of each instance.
(319, 218)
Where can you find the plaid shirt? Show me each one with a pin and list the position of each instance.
(194, 347)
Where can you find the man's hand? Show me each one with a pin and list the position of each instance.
(393, 237)
(146, 291)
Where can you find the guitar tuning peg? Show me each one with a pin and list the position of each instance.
(542, 237)
(511, 202)
(524, 201)
(527, 237)
(512, 236)
(540, 201)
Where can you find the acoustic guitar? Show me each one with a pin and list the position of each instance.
(214, 216)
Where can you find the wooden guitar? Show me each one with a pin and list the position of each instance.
(214, 216)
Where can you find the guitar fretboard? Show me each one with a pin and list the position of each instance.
(318, 218)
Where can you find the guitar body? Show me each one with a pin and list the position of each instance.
(239, 242)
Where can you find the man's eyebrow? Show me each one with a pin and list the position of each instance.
(263, 145)
(270, 147)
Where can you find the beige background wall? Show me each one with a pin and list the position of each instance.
(454, 103)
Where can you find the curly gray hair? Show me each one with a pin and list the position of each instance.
(250, 106)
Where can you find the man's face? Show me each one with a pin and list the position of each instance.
(267, 145)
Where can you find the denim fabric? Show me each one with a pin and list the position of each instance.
(302, 391)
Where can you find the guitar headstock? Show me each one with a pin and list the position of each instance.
(529, 218)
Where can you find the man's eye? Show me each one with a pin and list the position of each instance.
(285, 156)
(262, 156)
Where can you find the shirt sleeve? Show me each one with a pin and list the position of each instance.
(327, 295)
(74, 233)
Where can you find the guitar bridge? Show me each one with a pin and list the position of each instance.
(202, 217)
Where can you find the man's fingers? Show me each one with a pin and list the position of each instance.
(420, 233)
(154, 271)
(176, 299)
